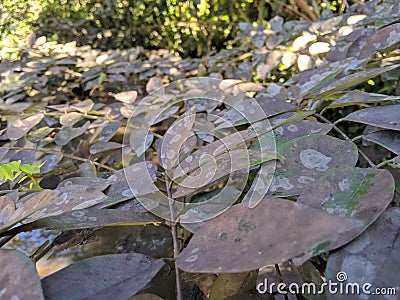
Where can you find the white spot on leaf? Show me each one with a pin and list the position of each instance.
(192, 258)
(344, 184)
(278, 182)
(313, 159)
(305, 179)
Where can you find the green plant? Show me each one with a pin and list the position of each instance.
(12, 170)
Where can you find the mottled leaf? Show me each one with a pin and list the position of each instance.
(135, 180)
(71, 197)
(175, 137)
(97, 183)
(102, 277)
(212, 170)
(388, 139)
(70, 119)
(273, 107)
(104, 147)
(373, 258)
(66, 134)
(19, 127)
(356, 97)
(243, 239)
(152, 240)
(89, 218)
(208, 205)
(187, 147)
(51, 162)
(108, 131)
(7, 208)
(140, 140)
(39, 134)
(300, 128)
(349, 81)
(385, 37)
(380, 116)
(308, 81)
(30, 204)
(307, 158)
(210, 152)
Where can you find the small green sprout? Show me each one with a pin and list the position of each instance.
(13, 169)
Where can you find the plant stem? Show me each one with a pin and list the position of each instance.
(174, 238)
(384, 163)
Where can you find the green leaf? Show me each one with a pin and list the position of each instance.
(7, 170)
(30, 169)
(101, 78)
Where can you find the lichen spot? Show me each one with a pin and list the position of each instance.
(363, 114)
(191, 259)
(278, 183)
(170, 154)
(305, 179)
(127, 193)
(292, 128)
(313, 159)
(344, 184)
(78, 214)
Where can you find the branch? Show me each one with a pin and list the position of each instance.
(174, 238)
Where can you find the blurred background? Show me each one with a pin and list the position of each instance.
(192, 28)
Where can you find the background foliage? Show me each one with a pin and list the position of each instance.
(191, 27)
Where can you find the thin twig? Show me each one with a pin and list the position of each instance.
(174, 238)
(384, 163)
(370, 162)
